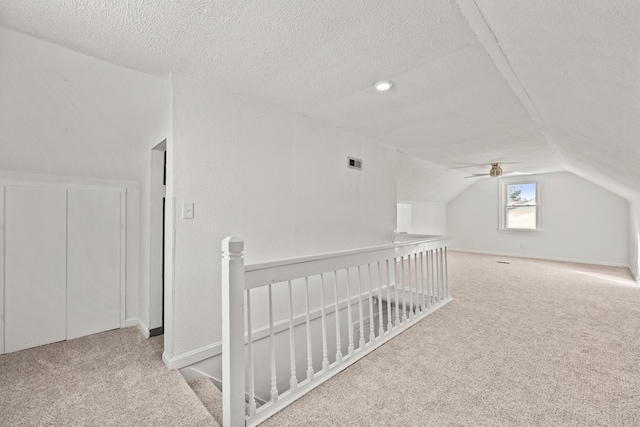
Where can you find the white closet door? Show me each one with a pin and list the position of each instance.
(35, 264)
(93, 261)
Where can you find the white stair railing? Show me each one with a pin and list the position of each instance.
(410, 276)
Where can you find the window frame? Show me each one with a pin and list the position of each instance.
(502, 208)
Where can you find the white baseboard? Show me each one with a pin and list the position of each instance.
(546, 258)
(193, 356)
(134, 321)
(143, 328)
(131, 322)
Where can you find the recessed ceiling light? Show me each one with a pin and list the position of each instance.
(383, 85)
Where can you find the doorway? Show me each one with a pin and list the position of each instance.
(157, 238)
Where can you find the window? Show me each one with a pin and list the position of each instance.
(519, 204)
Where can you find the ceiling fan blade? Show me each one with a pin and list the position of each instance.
(477, 165)
(475, 175)
(468, 165)
(515, 173)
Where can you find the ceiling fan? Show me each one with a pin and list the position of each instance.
(495, 172)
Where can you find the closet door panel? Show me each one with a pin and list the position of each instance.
(35, 266)
(93, 261)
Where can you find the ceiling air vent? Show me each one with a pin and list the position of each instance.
(355, 163)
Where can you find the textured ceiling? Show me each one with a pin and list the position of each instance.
(551, 85)
(580, 63)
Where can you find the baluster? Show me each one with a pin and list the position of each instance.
(404, 292)
(325, 352)
(435, 275)
(426, 280)
(389, 324)
(416, 308)
(395, 275)
(337, 305)
(251, 409)
(274, 384)
(380, 319)
(309, 348)
(434, 261)
(432, 277)
(293, 382)
(361, 343)
(422, 302)
(350, 348)
(436, 268)
(411, 280)
(446, 275)
(440, 275)
(372, 334)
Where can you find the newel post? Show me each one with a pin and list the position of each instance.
(233, 408)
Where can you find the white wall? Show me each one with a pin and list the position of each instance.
(634, 239)
(423, 217)
(425, 182)
(133, 252)
(582, 222)
(403, 217)
(70, 117)
(65, 113)
(424, 189)
(271, 177)
(144, 248)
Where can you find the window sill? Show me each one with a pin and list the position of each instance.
(524, 231)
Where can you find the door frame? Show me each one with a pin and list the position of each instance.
(157, 246)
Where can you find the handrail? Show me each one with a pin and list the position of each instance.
(397, 237)
(336, 254)
(403, 281)
(257, 275)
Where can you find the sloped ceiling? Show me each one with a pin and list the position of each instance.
(580, 64)
(549, 85)
(66, 114)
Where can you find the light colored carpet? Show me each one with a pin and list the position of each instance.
(209, 395)
(115, 378)
(528, 343)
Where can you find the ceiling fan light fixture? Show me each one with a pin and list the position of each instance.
(496, 170)
(383, 85)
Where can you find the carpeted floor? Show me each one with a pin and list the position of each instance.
(524, 343)
(209, 395)
(114, 378)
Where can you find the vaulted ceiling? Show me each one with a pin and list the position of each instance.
(551, 85)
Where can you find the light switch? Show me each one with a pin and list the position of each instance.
(187, 210)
